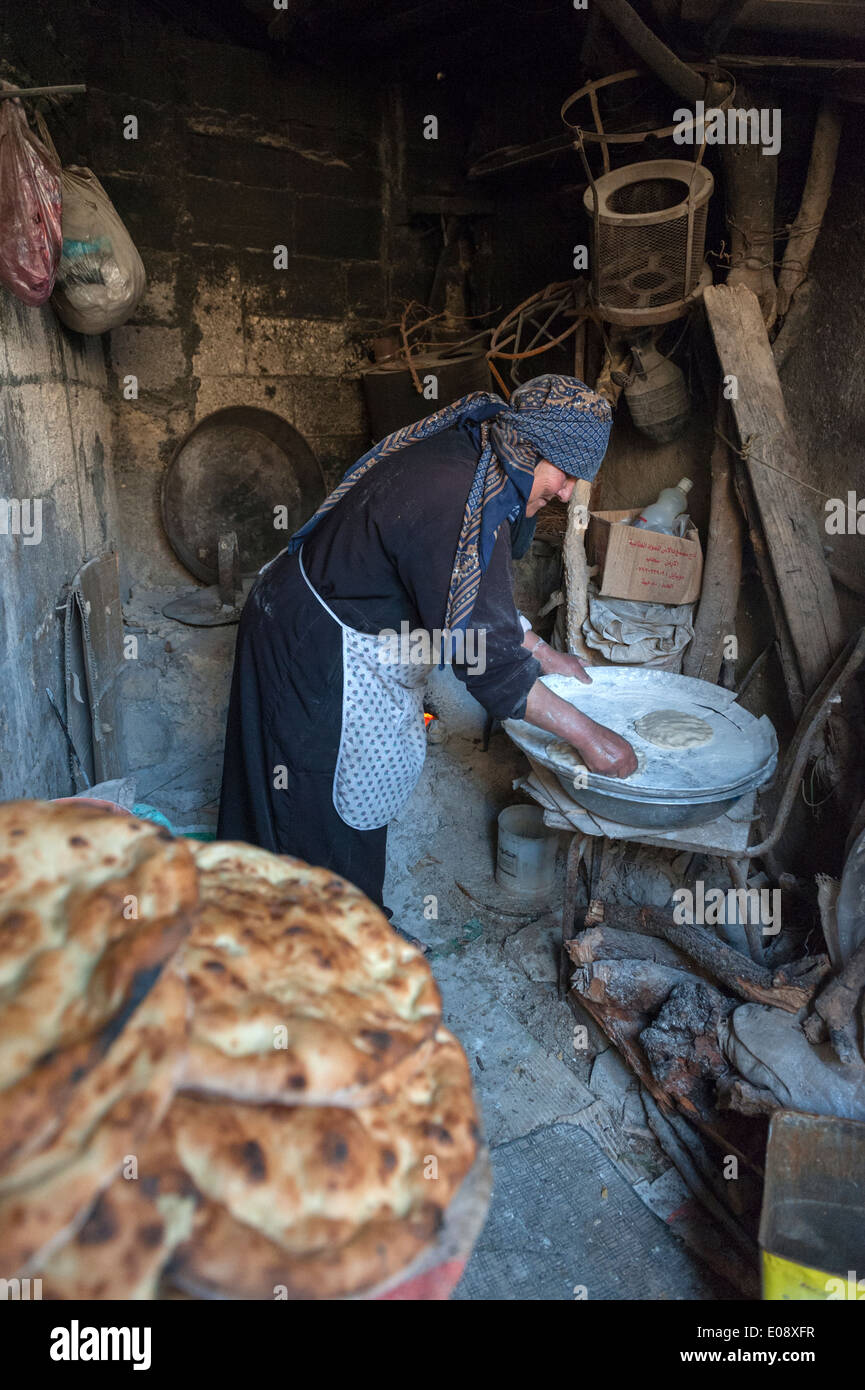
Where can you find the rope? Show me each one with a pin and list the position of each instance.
(746, 455)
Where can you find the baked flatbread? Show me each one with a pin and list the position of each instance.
(322, 1201)
(302, 993)
(92, 1026)
(119, 1104)
(129, 1233)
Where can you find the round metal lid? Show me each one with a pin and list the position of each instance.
(229, 474)
(741, 754)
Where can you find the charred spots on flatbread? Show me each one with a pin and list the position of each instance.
(250, 1156)
(389, 1160)
(378, 1038)
(17, 920)
(150, 1235)
(101, 1224)
(334, 1150)
(296, 1081)
(439, 1133)
(79, 842)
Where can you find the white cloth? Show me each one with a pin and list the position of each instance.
(630, 633)
(383, 740)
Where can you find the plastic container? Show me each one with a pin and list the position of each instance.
(812, 1226)
(526, 858)
(660, 516)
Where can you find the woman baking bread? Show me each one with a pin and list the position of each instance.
(325, 738)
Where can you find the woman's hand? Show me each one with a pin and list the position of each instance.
(607, 753)
(603, 751)
(553, 663)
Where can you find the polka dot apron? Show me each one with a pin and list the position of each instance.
(383, 740)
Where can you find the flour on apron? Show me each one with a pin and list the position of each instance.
(383, 740)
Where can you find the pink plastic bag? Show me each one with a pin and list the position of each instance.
(31, 236)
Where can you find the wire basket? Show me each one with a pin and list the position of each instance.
(650, 232)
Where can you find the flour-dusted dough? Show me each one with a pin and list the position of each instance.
(565, 754)
(568, 757)
(673, 728)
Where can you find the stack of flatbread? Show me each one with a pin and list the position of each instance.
(93, 1015)
(315, 1122)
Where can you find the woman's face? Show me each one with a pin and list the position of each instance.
(549, 482)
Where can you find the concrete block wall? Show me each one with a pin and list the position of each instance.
(237, 151)
(55, 436)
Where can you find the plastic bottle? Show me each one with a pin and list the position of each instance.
(661, 515)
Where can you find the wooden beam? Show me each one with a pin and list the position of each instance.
(818, 186)
(818, 17)
(775, 466)
(722, 572)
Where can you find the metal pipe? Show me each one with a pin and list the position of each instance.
(74, 90)
(662, 60)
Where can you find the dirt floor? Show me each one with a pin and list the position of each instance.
(584, 1203)
(583, 1199)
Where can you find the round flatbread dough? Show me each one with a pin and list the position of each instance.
(567, 756)
(673, 728)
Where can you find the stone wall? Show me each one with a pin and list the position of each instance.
(238, 151)
(55, 431)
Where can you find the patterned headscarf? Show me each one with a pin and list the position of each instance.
(556, 418)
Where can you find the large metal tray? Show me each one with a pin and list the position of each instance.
(229, 474)
(671, 787)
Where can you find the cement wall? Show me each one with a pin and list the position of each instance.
(238, 151)
(55, 443)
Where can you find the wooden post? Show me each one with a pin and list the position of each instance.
(722, 572)
(774, 466)
(751, 177)
(577, 569)
(818, 186)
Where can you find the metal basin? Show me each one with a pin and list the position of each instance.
(230, 473)
(672, 789)
(650, 815)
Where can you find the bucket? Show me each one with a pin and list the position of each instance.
(812, 1226)
(526, 858)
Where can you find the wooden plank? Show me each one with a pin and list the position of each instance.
(577, 569)
(722, 573)
(773, 463)
(845, 18)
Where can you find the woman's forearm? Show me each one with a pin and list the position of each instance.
(603, 751)
(552, 662)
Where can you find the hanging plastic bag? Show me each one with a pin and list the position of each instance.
(30, 207)
(101, 275)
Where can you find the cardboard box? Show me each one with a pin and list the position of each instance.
(645, 565)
